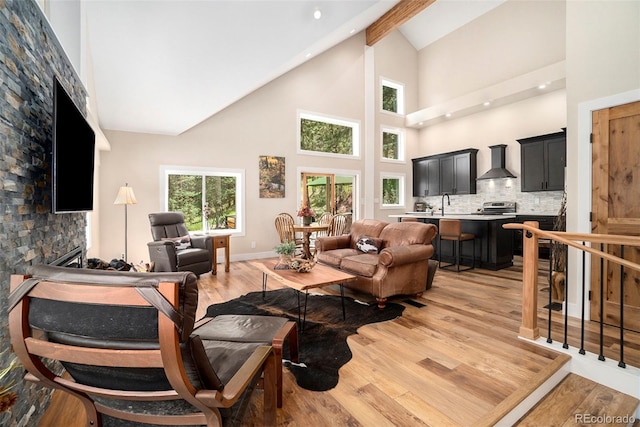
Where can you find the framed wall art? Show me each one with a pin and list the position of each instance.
(272, 177)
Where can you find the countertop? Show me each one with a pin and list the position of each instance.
(466, 217)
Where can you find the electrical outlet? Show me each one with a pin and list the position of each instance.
(253, 245)
(122, 255)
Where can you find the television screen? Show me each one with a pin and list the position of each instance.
(73, 155)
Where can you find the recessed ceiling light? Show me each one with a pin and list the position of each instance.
(317, 14)
(486, 103)
(542, 86)
(448, 115)
(308, 55)
(353, 30)
(420, 124)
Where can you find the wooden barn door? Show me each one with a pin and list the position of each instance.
(616, 209)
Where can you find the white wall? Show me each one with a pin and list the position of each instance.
(263, 123)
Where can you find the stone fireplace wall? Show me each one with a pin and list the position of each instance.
(30, 58)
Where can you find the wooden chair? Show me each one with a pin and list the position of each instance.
(337, 225)
(284, 226)
(126, 341)
(451, 230)
(325, 219)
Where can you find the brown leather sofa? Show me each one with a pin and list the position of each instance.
(399, 266)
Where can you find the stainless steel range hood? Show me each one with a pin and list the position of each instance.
(498, 169)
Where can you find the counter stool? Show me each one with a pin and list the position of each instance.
(451, 230)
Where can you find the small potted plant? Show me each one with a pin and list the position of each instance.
(286, 250)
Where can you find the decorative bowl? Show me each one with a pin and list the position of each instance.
(301, 265)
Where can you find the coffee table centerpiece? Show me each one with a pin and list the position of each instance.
(301, 265)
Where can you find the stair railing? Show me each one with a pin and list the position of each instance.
(531, 236)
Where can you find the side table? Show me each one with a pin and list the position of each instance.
(220, 241)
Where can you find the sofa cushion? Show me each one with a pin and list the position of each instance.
(334, 257)
(369, 245)
(407, 233)
(364, 265)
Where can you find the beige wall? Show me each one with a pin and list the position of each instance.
(513, 39)
(603, 70)
(395, 60)
(263, 123)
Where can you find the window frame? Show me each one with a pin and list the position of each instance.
(401, 144)
(399, 87)
(401, 190)
(239, 174)
(323, 118)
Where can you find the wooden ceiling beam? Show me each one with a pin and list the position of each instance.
(394, 18)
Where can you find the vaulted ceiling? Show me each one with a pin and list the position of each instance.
(163, 66)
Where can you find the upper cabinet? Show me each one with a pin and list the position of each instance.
(543, 159)
(452, 173)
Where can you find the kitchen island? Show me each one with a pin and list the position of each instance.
(494, 244)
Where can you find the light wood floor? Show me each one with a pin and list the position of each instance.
(456, 361)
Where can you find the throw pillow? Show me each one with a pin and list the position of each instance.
(369, 245)
(182, 242)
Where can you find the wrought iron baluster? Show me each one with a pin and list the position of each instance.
(581, 351)
(566, 295)
(549, 340)
(621, 362)
(601, 355)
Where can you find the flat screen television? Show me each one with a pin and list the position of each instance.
(73, 155)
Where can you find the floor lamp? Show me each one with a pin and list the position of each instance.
(125, 197)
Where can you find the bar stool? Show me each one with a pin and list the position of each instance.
(451, 230)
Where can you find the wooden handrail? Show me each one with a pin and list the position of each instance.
(568, 239)
(529, 326)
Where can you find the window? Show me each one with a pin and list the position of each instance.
(210, 199)
(392, 97)
(322, 135)
(392, 144)
(392, 190)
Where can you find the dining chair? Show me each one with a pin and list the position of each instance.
(337, 225)
(284, 225)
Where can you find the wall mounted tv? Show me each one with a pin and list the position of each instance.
(73, 155)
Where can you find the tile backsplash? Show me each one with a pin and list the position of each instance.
(501, 190)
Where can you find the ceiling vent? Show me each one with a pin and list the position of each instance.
(498, 169)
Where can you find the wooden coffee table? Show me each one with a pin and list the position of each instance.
(318, 277)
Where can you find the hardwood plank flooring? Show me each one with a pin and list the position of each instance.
(457, 361)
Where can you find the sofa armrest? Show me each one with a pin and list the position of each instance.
(400, 255)
(329, 243)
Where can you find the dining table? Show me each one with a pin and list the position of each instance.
(307, 231)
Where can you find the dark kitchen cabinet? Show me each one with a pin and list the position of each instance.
(452, 173)
(426, 177)
(458, 173)
(543, 159)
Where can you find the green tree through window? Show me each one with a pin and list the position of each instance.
(389, 99)
(217, 210)
(390, 191)
(390, 145)
(326, 137)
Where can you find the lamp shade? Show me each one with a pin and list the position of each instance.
(125, 196)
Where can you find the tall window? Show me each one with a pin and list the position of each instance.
(392, 97)
(210, 199)
(330, 136)
(392, 144)
(392, 187)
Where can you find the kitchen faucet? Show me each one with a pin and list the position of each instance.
(448, 202)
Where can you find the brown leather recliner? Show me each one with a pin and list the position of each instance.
(398, 265)
(173, 249)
